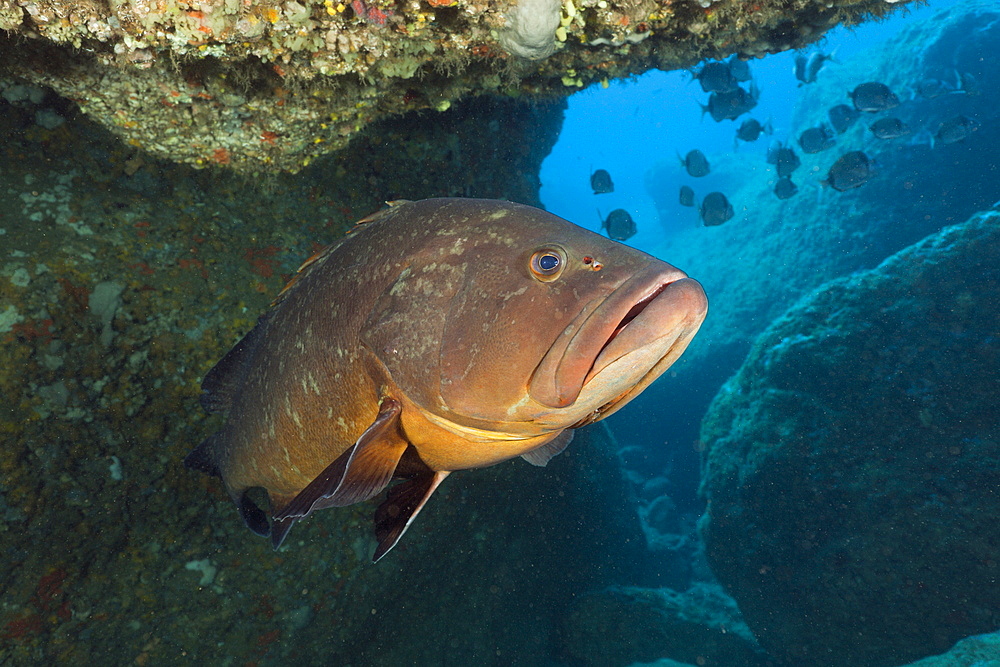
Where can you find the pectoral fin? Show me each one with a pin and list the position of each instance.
(540, 456)
(400, 508)
(358, 474)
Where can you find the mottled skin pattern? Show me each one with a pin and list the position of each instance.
(435, 304)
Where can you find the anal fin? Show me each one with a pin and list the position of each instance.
(400, 508)
(280, 528)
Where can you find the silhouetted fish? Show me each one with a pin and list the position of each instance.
(842, 117)
(440, 335)
(686, 196)
(787, 162)
(695, 163)
(816, 140)
(799, 69)
(889, 128)
(715, 209)
(931, 88)
(807, 68)
(715, 77)
(784, 188)
(751, 129)
(740, 69)
(851, 170)
(600, 182)
(732, 104)
(773, 151)
(619, 225)
(968, 83)
(955, 130)
(817, 60)
(873, 96)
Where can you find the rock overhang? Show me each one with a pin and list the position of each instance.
(269, 86)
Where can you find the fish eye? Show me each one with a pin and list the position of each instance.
(547, 263)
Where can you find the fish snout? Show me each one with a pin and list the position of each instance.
(636, 331)
(658, 328)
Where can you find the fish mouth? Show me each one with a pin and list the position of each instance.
(621, 343)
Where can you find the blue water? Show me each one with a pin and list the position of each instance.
(632, 125)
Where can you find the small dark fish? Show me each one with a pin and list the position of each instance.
(751, 129)
(931, 88)
(600, 182)
(784, 188)
(773, 151)
(968, 84)
(889, 128)
(715, 77)
(787, 162)
(816, 62)
(716, 209)
(696, 163)
(816, 139)
(732, 104)
(619, 225)
(850, 171)
(955, 130)
(807, 68)
(873, 96)
(740, 69)
(801, 60)
(842, 117)
(687, 196)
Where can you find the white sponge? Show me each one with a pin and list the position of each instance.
(531, 29)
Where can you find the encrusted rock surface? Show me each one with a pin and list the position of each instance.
(851, 464)
(976, 651)
(271, 85)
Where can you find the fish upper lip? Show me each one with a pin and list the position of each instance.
(680, 288)
(632, 313)
(565, 370)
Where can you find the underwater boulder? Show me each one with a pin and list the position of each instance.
(977, 651)
(621, 625)
(850, 466)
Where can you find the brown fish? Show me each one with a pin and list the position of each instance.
(439, 335)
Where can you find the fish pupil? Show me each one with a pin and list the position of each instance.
(548, 262)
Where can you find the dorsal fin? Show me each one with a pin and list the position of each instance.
(306, 266)
(304, 269)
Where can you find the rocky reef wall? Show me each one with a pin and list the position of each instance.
(850, 465)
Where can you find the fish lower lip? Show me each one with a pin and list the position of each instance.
(669, 314)
(631, 315)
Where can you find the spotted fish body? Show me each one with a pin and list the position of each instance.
(440, 335)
